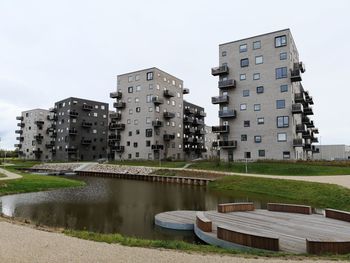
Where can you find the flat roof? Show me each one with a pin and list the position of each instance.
(146, 69)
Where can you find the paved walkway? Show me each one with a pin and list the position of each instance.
(9, 175)
(25, 244)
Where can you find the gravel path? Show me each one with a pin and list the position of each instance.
(25, 244)
(9, 175)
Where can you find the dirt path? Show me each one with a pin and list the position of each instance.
(9, 175)
(25, 244)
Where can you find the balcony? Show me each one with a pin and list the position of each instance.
(114, 137)
(86, 141)
(201, 114)
(156, 100)
(115, 95)
(219, 70)
(168, 115)
(86, 124)
(87, 107)
(19, 118)
(189, 130)
(50, 129)
(314, 149)
(73, 114)
(189, 111)
(309, 100)
(315, 131)
(54, 110)
(220, 99)
(117, 126)
(115, 116)
(300, 128)
(119, 105)
(53, 134)
(118, 149)
(198, 141)
(168, 94)
(310, 124)
(200, 132)
(71, 150)
(298, 142)
(18, 145)
(37, 152)
(39, 123)
(295, 75)
(198, 122)
(228, 83)
(228, 144)
(306, 135)
(19, 131)
(21, 138)
(308, 111)
(297, 108)
(168, 137)
(188, 119)
(157, 123)
(188, 139)
(305, 120)
(72, 132)
(299, 98)
(307, 147)
(157, 147)
(227, 114)
(50, 144)
(314, 139)
(21, 124)
(185, 91)
(220, 129)
(38, 137)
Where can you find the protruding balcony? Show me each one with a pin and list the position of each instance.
(200, 132)
(87, 107)
(19, 118)
(114, 137)
(38, 152)
(157, 123)
(228, 144)
(115, 95)
(227, 114)
(39, 123)
(305, 120)
(198, 140)
(297, 108)
(306, 135)
(300, 128)
(38, 137)
(220, 129)
(18, 145)
(72, 131)
(314, 139)
(52, 117)
(19, 131)
(298, 142)
(228, 83)
(309, 100)
(198, 122)
(50, 145)
(21, 124)
(200, 113)
(315, 131)
(188, 119)
(73, 114)
(220, 99)
(168, 94)
(21, 138)
(119, 105)
(168, 137)
(310, 124)
(71, 150)
(299, 98)
(86, 124)
(86, 141)
(307, 147)
(118, 148)
(115, 116)
(308, 111)
(302, 67)
(295, 75)
(169, 115)
(54, 110)
(157, 147)
(189, 111)
(189, 130)
(185, 91)
(219, 70)
(156, 100)
(188, 139)
(117, 126)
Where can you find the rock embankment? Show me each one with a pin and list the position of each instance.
(119, 169)
(56, 166)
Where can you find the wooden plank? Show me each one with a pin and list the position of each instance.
(203, 223)
(322, 247)
(289, 208)
(337, 214)
(234, 207)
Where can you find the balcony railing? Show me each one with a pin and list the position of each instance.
(73, 114)
(168, 137)
(115, 95)
(200, 113)
(299, 98)
(39, 123)
(185, 91)
(157, 147)
(310, 124)
(189, 130)
(298, 142)
(215, 144)
(21, 124)
(309, 100)
(314, 139)
(198, 122)
(228, 83)
(300, 128)
(227, 114)
(157, 123)
(221, 129)
(72, 132)
(54, 110)
(19, 131)
(87, 107)
(37, 152)
(198, 140)
(200, 132)
(220, 99)
(118, 148)
(188, 119)
(228, 144)
(71, 149)
(119, 105)
(295, 75)
(114, 137)
(315, 149)
(305, 120)
(307, 147)
(168, 94)
(169, 115)
(38, 137)
(306, 135)
(18, 145)
(297, 108)
(19, 118)
(308, 111)
(21, 138)
(86, 124)
(156, 100)
(115, 116)
(219, 70)
(188, 139)
(86, 141)
(117, 126)
(189, 110)
(315, 131)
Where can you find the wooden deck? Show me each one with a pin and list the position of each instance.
(178, 220)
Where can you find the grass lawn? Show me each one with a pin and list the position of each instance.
(275, 168)
(151, 163)
(2, 175)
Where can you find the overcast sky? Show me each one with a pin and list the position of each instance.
(50, 50)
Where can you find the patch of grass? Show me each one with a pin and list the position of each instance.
(315, 194)
(2, 175)
(275, 168)
(150, 163)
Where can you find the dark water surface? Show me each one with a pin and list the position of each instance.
(117, 206)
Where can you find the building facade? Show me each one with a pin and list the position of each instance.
(148, 122)
(211, 144)
(193, 130)
(79, 130)
(335, 152)
(264, 110)
(33, 140)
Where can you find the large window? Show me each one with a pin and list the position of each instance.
(281, 73)
(256, 44)
(259, 60)
(257, 139)
(246, 93)
(260, 89)
(244, 62)
(282, 137)
(243, 48)
(149, 75)
(284, 88)
(281, 41)
(282, 121)
(149, 132)
(280, 104)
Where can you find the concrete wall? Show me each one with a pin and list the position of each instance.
(333, 152)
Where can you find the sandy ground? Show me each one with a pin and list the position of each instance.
(25, 244)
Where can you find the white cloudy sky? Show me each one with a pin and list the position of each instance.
(50, 50)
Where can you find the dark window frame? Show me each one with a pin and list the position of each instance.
(281, 41)
(285, 121)
(244, 62)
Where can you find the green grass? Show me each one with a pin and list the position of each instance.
(307, 193)
(33, 182)
(2, 175)
(275, 168)
(151, 163)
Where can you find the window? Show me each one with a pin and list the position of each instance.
(137, 131)
(148, 143)
(130, 89)
(243, 106)
(150, 86)
(148, 120)
(284, 88)
(130, 78)
(281, 73)
(243, 48)
(150, 109)
(242, 77)
(286, 155)
(246, 93)
(149, 75)
(130, 111)
(256, 76)
(149, 98)
(257, 139)
(247, 155)
(138, 109)
(223, 53)
(136, 122)
(244, 62)
(257, 44)
(257, 107)
(244, 137)
(282, 137)
(282, 121)
(260, 120)
(137, 100)
(137, 77)
(280, 104)
(259, 60)
(283, 55)
(149, 132)
(129, 156)
(128, 121)
(130, 133)
(260, 89)
(137, 154)
(135, 145)
(246, 123)
(280, 41)
(138, 88)
(128, 143)
(261, 153)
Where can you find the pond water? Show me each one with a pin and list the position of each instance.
(108, 205)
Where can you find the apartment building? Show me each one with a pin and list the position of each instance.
(193, 130)
(264, 110)
(79, 130)
(33, 141)
(331, 152)
(211, 143)
(148, 122)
